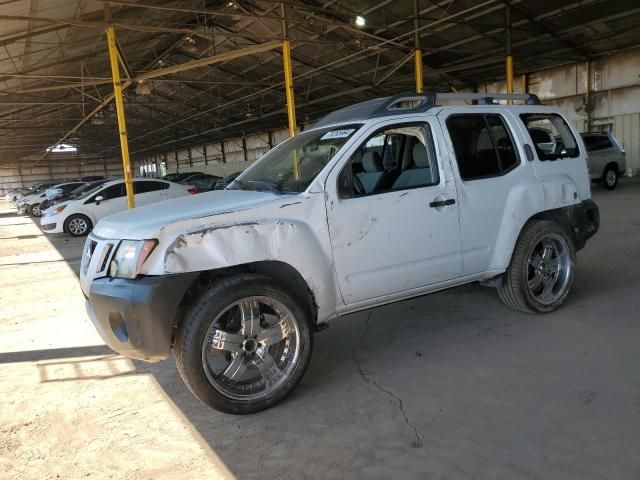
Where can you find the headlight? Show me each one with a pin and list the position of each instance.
(130, 256)
(59, 209)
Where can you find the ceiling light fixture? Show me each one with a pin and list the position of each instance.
(360, 21)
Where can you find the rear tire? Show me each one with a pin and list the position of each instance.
(244, 344)
(610, 177)
(78, 225)
(542, 268)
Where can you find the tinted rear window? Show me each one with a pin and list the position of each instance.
(596, 142)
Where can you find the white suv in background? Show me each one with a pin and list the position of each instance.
(605, 158)
(77, 217)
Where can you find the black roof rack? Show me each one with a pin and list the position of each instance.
(411, 102)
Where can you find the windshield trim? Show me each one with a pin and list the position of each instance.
(357, 128)
(96, 189)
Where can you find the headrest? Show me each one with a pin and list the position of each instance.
(371, 162)
(420, 157)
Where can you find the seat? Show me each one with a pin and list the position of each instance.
(373, 176)
(420, 173)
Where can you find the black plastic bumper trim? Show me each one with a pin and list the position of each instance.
(135, 318)
(585, 221)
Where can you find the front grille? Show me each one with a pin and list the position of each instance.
(104, 258)
(97, 256)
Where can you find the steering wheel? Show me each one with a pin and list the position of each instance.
(358, 187)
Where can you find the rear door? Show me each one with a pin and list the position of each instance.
(148, 191)
(489, 170)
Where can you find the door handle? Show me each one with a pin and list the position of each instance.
(442, 203)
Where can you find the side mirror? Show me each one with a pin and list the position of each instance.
(99, 199)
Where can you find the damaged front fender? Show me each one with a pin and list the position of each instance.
(294, 233)
(226, 245)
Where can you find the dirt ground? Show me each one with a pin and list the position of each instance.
(448, 386)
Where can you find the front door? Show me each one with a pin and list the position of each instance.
(113, 200)
(393, 216)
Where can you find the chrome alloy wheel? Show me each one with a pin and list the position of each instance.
(549, 269)
(610, 178)
(251, 348)
(36, 210)
(78, 226)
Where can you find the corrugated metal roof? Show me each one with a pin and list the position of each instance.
(54, 66)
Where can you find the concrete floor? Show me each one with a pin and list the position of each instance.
(453, 385)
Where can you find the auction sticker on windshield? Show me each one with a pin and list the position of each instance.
(337, 134)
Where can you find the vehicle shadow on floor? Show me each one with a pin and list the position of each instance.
(357, 383)
(54, 354)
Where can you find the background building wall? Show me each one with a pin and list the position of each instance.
(615, 97)
(58, 168)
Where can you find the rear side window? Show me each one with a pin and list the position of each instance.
(551, 136)
(145, 187)
(482, 144)
(596, 142)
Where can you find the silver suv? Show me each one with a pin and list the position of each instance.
(605, 158)
(378, 202)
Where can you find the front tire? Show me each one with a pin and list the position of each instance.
(244, 344)
(77, 225)
(542, 268)
(34, 210)
(610, 177)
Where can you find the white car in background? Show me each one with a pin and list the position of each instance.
(77, 217)
(30, 204)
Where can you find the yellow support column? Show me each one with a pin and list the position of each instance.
(288, 82)
(509, 74)
(419, 82)
(416, 44)
(122, 126)
(291, 107)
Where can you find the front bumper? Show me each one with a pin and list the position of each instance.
(136, 317)
(51, 224)
(584, 219)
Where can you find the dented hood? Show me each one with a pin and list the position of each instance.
(146, 222)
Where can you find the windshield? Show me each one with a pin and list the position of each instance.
(90, 192)
(86, 187)
(292, 166)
